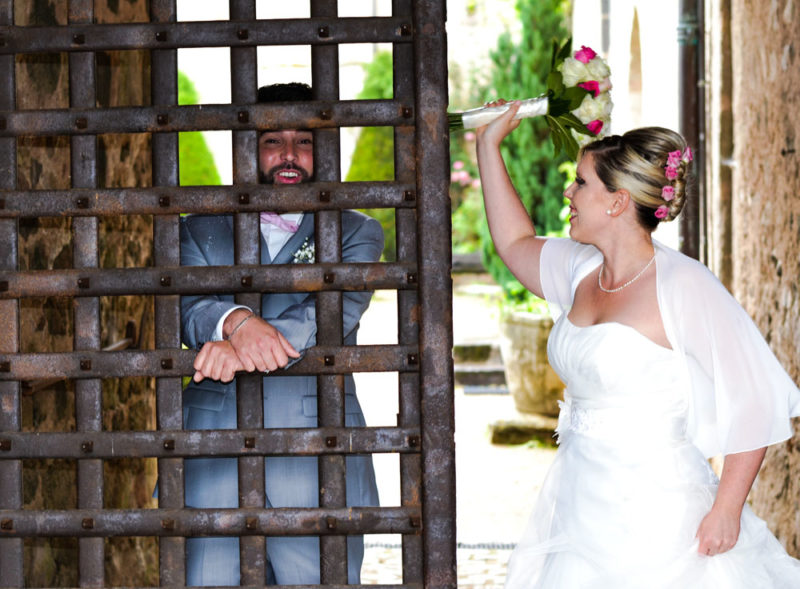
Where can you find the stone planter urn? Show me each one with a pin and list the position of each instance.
(532, 382)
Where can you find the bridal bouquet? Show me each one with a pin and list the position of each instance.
(577, 105)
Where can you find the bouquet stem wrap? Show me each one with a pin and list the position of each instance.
(470, 119)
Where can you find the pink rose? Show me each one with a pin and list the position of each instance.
(585, 54)
(591, 86)
(595, 126)
(687, 154)
(674, 158)
(662, 212)
(670, 172)
(668, 193)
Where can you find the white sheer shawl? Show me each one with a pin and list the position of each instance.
(740, 398)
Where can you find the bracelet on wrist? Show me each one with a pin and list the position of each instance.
(239, 325)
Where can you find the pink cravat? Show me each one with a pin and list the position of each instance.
(278, 221)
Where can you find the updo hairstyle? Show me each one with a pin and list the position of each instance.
(636, 162)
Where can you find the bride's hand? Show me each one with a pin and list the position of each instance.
(499, 128)
(718, 532)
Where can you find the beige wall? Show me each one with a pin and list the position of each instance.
(766, 216)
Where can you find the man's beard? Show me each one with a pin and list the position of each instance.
(269, 176)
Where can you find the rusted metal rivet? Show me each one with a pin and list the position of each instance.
(407, 112)
(7, 524)
(326, 115)
(409, 195)
(82, 202)
(413, 359)
(169, 444)
(165, 281)
(5, 445)
(249, 442)
(87, 523)
(2, 122)
(243, 116)
(330, 522)
(324, 32)
(242, 34)
(163, 201)
(79, 38)
(81, 123)
(244, 198)
(413, 441)
(787, 151)
(411, 278)
(166, 363)
(83, 282)
(87, 447)
(251, 523)
(329, 277)
(2, 203)
(405, 29)
(5, 366)
(162, 119)
(3, 285)
(86, 364)
(247, 281)
(415, 521)
(331, 442)
(161, 36)
(325, 196)
(330, 360)
(168, 524)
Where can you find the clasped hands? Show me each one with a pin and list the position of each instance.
(254, 346)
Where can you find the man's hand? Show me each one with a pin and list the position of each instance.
(257, 344)
(217, 361)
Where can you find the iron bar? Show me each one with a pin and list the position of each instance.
(205, 117)
(285, 521)
(233, 33)
(243, 278)
(435, 286)
(185, 444)
(175, 362)
(241, 198)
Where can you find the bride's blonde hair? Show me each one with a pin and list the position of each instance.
(637, 162)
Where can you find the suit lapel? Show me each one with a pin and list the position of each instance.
(305, 231)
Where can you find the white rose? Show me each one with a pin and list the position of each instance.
(573, 72)
(598, 69)
(589, 110)
(604, 103)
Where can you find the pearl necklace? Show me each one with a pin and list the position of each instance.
(631, 281)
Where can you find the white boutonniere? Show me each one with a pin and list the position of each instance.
(305, 253)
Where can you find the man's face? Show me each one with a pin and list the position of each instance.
(285, 157)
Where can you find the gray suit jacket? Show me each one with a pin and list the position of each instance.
(289, 401)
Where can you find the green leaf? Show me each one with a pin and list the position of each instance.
(575, 96)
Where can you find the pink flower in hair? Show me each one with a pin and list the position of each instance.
(674, 158)
(585, 54)
(671, 172)
(662, 212)
(591, 86)
(687, 154)
(668, 193)
(595, 126)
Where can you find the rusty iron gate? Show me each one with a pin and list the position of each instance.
(421, 358)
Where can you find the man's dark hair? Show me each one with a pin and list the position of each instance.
(291, 92)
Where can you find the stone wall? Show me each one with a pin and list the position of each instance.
(46, 324)
(766, 217)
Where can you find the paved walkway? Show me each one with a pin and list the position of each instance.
(496, 486)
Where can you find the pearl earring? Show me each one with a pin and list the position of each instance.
(608, 211)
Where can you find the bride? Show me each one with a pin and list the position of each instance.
(663, 370)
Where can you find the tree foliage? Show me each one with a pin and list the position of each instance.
(196, 162)
(373, 156)
(519, 70)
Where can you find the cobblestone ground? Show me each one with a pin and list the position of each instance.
(476, 567)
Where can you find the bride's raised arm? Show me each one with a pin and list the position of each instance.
(512, 230)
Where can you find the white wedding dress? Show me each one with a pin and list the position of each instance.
(627, 491)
